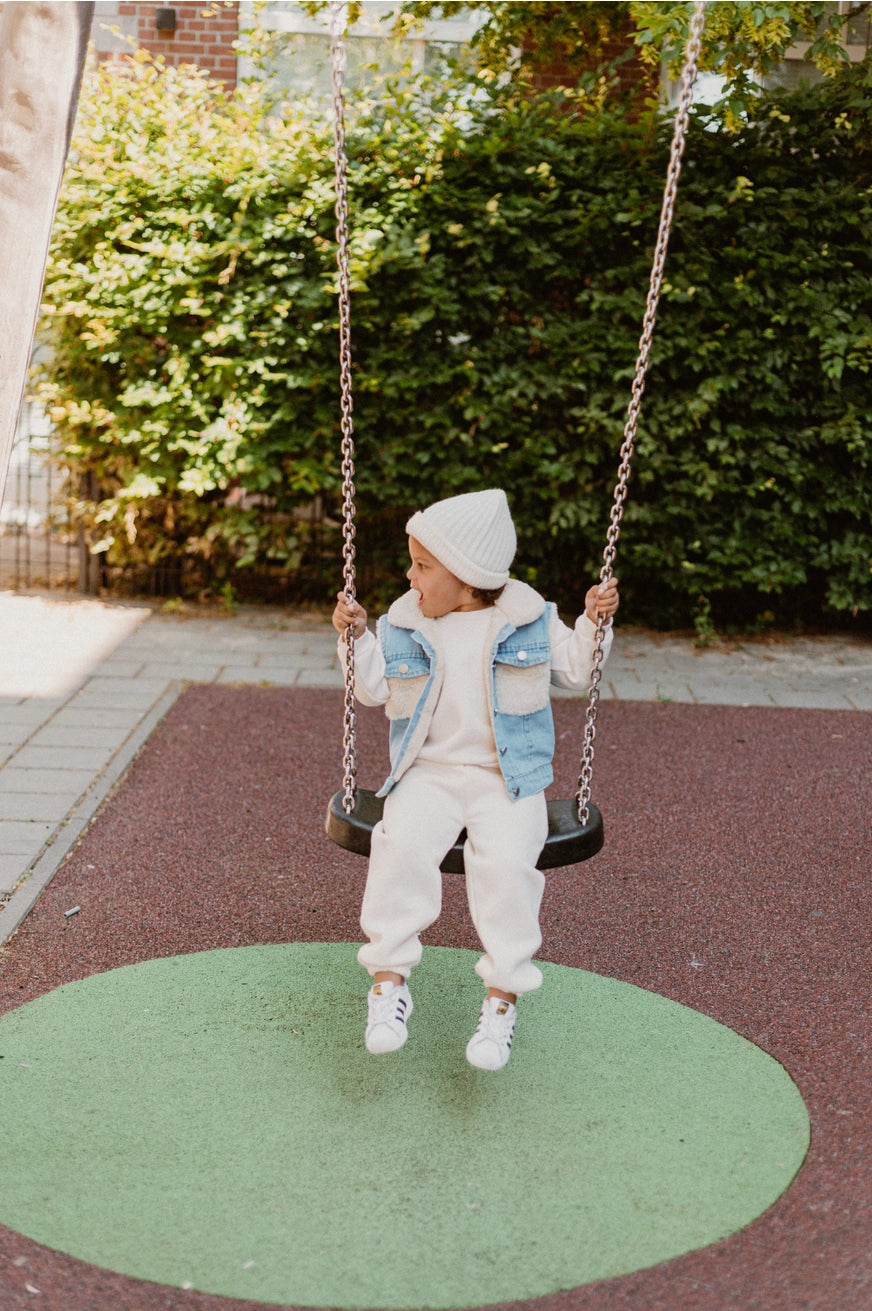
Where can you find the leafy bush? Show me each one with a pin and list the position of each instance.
(501, 254)
(188, 304)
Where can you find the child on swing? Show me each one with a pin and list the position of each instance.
(462, 664)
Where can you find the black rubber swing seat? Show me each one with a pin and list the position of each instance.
(568, 842)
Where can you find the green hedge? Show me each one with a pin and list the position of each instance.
(501, 255)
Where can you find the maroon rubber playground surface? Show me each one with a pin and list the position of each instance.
(735, 879)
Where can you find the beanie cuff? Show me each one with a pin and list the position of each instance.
(474, 575)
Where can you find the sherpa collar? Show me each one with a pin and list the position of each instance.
(519, 604)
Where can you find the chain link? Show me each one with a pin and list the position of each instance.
(338, 18)
(679, 137)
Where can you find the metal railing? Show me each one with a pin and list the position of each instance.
(39, 547)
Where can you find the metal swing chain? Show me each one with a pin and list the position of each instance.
(337, 55)
(679, 136)
(337, 32)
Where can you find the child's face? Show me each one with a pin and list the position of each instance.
(441, 592)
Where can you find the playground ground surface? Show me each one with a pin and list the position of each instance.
(166, 782)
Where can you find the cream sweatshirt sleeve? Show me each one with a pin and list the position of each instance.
(370, 685)
(572, 651)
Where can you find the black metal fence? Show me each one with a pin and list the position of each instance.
(38, 546)
(41, 547)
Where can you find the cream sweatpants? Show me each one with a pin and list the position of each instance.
(423, 815)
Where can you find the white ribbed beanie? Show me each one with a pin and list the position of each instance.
(472, 535)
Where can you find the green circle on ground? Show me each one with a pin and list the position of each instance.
(213, 1121)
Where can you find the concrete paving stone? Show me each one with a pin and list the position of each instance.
(825, 684)
(625, 691)
(249, 644)
(12, 867)
(146, 641)
(118, 693)
(842, 650)
(859, 691)
(23, 838)
(730, 694)
(290, 659)
(121, 668)
(63, 757)
(192, 670)
(615, 674)
(171, 653)
(8, 754)
(56, 734)
(687, 670)
(54, 806)
(618, 677)
(816, 700)
(716, 678)
(196, 637)
(35, 710)
(242, 673)
(15, 779)
(739, 687)
(776, 673)
(10, 740)
(320, 677)
(138, 649)
(277, 676)
(661, 690)
(74, 716)
(859, 698)
(324, 643)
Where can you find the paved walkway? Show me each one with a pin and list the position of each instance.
(83, 685)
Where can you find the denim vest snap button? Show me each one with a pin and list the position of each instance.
(404, 669)
(522, 655)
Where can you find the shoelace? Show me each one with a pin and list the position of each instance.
(496, 1025)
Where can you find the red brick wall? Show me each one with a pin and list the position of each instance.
(204, 34)
(633, 76)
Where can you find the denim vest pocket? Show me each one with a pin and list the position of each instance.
(406, 673)
(521, 683)
(403, 696)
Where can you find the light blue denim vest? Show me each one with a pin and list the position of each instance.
(520, 679)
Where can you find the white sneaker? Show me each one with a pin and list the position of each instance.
(390, 1005)
(490, 1046)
